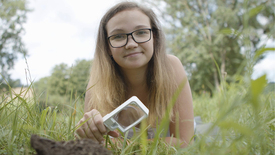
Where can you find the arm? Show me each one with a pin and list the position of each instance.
(94, 127)
(184, 108)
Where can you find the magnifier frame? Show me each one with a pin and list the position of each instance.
(112, 124)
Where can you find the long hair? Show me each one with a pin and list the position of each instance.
(108, 89)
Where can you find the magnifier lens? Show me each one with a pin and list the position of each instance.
(129, 115)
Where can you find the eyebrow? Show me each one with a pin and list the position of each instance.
(121, 30)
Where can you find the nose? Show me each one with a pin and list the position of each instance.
(131, 43)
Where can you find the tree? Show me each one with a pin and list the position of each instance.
(209, 36)
(12, 17)
(64, 80)
(79, 76)
(59, 80)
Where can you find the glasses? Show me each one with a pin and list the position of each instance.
(139, 36)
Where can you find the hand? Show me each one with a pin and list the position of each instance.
(94, 127)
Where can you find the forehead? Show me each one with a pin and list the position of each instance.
(128, 20)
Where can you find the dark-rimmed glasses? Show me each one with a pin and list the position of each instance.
(139, 36)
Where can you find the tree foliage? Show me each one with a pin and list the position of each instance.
(211, 37)
(12, 17)
(64, 83)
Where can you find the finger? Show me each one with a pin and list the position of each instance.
(94, 130)
(90, 128)
(80, 133)
(98, 121)
(79, 129)
(84, 130)
(88, 132)
(113, 134)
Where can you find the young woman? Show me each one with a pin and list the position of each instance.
(130, 60)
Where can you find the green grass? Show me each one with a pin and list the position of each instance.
(244, 114)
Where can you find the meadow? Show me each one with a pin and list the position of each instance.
(243, 111)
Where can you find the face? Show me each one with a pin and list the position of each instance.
(133, 55)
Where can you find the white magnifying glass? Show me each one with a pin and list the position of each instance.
(126, 116)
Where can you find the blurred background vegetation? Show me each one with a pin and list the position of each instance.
(215, 40)
(64, 84)
(12, 18)
(216, 37)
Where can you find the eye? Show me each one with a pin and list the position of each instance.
(142, 32)
(118, 37)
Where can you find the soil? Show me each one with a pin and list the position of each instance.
(44, 146)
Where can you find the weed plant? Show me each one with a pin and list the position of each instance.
(243, 113)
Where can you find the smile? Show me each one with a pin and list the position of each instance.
(133, 54)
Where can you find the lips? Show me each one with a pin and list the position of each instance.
(132, 54)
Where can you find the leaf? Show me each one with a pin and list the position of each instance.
(253, 12)
(43, 118)
(143, 138)
(237, 127)
(164, 124)
(261, 51)
(228, 31)
(258, 85)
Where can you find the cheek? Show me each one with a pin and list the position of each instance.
(113, 51)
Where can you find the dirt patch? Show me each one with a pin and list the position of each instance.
(45, 146)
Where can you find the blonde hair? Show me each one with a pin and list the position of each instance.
(108, 88)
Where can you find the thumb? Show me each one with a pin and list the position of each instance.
(113, 134)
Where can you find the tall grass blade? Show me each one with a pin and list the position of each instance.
(164, 124)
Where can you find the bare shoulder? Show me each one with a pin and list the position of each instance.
(184, 104)
(177, 66)
(172, 58)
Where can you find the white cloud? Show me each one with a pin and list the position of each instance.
(59, 32)
(266, 66)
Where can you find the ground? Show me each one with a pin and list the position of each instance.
(45, 146)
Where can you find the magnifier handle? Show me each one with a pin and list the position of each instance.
(107, 130)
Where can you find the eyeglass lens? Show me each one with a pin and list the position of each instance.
(139, 36)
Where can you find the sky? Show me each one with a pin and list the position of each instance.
(63, 31)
